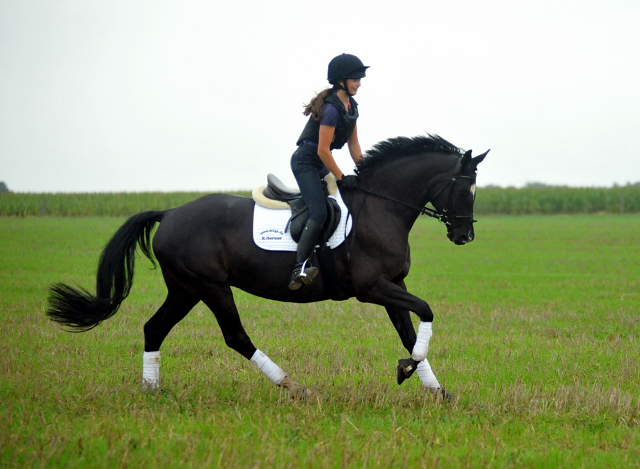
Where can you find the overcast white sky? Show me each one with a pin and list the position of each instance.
(143, 95)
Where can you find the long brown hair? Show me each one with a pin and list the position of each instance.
(316, 105)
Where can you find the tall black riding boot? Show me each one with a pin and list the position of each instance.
(303, 271)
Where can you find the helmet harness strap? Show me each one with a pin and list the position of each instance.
(345, 87)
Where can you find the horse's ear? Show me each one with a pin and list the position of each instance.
(466, 160)
(478, 159)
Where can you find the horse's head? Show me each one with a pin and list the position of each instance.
(454, 202)
(445, 178)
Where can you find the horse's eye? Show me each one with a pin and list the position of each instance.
(473, 190)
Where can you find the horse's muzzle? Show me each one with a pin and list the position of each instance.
(461, 235)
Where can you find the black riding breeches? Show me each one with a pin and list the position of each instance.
(309, 171)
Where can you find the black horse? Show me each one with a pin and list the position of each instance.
(205, 247)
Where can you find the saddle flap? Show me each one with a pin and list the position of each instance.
(300, 215)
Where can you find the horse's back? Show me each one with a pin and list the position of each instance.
(208, 223)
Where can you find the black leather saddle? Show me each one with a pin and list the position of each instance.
(276, 190)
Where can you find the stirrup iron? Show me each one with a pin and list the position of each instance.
(303, 274)
(307, 277)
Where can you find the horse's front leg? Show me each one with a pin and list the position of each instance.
(399, 302)
(401, 320)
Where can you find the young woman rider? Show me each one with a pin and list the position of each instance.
(331, 125)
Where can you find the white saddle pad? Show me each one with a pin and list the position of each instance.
(269, 225)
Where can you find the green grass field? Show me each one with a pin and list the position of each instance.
(537, 334)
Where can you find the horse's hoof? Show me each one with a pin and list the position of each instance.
(406, 367)
(301, 393)
(441, 393)
(297, 391)
(150, 386)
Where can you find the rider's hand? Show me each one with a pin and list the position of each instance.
(348, 182)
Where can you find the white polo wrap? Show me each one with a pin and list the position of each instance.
(264, 364)
(427, 378)
(421, 346)
(151, 368)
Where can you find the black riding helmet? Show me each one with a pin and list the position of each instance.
(345, 66)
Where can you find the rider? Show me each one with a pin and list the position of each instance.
(332, 123)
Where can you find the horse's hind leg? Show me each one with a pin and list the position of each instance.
(220, 300)
(177, 305)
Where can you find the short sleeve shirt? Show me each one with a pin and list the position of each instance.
(330, 116)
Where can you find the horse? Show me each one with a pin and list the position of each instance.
(205, 247)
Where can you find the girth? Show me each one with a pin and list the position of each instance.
(276, 190)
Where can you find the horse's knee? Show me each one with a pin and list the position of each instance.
(424, 312)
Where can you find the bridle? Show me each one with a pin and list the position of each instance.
(451, 221)
(446, 216)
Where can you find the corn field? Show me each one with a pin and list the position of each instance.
(92, 204)
(558, 200)
(490, 200)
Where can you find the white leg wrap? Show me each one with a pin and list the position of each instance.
(427, 377)
(264, 364)
(151, 369)
(421, 347)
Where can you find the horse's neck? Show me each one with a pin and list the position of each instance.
(411, 180)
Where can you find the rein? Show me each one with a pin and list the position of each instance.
(443, 216)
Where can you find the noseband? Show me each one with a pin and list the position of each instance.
(452, 221)
(444, 216)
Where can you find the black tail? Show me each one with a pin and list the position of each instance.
(82, 311)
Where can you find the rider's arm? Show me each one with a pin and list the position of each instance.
(354, 147)
(324, 150)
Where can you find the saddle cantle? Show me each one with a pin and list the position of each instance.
(277, 191)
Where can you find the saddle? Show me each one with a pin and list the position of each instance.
(276, 190)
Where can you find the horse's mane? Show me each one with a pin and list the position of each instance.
(388, 150)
